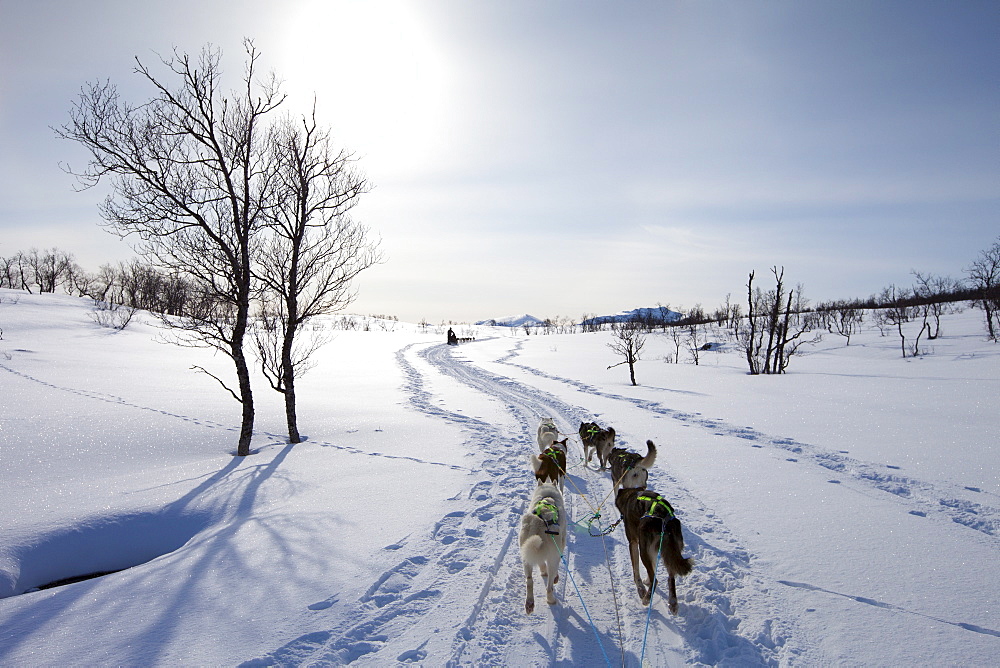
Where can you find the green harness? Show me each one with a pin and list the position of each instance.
(549, 524)
(657, 502)
(551, 454)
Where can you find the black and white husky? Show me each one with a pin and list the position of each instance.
(543, 541)
(597, 440)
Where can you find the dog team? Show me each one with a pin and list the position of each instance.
(651, 527)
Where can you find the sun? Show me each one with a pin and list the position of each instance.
(381, 81)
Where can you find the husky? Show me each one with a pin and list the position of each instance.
(651, 527)
(597, 440)
(543, 541)
(547, 434)
(629, 469)
(550, 465)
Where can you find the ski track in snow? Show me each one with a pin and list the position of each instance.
(922, 498)
(277, 439)
(455, 594)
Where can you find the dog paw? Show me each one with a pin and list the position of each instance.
(529, 606)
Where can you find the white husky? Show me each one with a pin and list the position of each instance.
(547, 434)
(543, 541)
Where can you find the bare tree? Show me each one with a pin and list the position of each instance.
(749, 336)
(931, 293)
(313, 253)
(846, 319)
(628, 342)
(677, 337)
(8, 271)
(984, 275)
(79, 282)
(49, 267)
(695, 340)
(773, 331)
(19, 272)
(899, 310)
(191, 181)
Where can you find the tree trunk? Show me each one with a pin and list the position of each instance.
(239, 356)
(246, 399)
(288, 384)
(752, 326)
(631, 370)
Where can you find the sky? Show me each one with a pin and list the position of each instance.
(563, 158)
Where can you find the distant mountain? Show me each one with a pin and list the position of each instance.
(512, 321)
(655, 315)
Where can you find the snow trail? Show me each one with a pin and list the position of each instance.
(922, 498)
(466, 568)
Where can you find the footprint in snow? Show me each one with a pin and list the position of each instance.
(323, 605)
(414, 655)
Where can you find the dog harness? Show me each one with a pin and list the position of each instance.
(623, 458)
(657, 502)
(551, 526)
(551, 454)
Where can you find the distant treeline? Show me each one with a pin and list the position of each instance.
(132, 284)
(137, 285)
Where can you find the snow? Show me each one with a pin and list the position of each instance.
(847, 513)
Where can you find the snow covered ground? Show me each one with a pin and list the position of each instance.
(847, 513)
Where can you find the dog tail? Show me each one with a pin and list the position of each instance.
(532, 545)
(650, 458)
(672, 547)
(534, 462)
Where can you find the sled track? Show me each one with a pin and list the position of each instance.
(723, 581)
(466, 569)
(922, 498)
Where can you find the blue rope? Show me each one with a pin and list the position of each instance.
(589, 619)
(652, 587)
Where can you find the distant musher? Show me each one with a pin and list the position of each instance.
(452, 339)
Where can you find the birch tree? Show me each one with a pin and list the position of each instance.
(313, 252)
(190, 182)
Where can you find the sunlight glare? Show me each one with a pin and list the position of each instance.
(380, 80)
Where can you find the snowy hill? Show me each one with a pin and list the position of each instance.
(655, 314)
(847, 513)
(511, 321)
